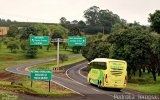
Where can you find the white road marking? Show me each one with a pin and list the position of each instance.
(73, 79)
(18, 68)
(10, 71)
(79, 71)
(95, 90)
(82, 83)
(125, 92)
(27, 69)
(67, 88)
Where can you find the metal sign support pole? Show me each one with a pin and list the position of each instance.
(58, 54)
(49, 85)
(31, 83)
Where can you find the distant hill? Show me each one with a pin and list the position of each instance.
(8, 23)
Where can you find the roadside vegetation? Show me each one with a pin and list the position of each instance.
(138, 45)
(21, 84)
(51, 65)
(108, 36)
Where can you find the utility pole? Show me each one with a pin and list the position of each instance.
(58, 53)
(58, 40)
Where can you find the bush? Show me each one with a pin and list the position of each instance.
(31, 52)
(63, 57)
(24, 45)
(13, 46)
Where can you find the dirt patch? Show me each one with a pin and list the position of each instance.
(5, 75)
(10, 77)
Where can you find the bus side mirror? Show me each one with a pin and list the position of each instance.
(88, 64)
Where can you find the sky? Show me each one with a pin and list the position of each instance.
(51, 11)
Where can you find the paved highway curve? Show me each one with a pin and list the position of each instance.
(76, 82)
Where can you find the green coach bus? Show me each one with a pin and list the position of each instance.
(108, 73)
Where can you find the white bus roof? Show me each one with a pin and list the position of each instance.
(105, 60)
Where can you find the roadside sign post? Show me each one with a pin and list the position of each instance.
(58, 40)
(72, 41)
(45, 75)
(31, 83)
(58, 53)
(49, 85)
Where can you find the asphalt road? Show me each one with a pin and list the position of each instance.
(76, 82)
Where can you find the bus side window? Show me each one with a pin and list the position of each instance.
(102, 65)
(91, 65)
(106, 65)
(94, 65)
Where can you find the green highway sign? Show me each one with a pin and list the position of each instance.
(39, 40)
(41, 74)
(76, 41)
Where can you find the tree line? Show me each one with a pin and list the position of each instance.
(136, 44)
(97, 20)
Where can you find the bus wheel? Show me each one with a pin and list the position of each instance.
(89, 81)
(118, 89)
(99, 84)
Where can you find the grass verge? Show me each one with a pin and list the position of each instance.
(21, 84)
(145, 84)
(148, 88)
(40, 88)
(51, 65)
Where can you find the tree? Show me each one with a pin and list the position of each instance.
(49, 46)
(131, 45)
(29, 30)
(58, 29)
(31, 51)
(63, 20)
(65, 45)
(7, 40)
(155, 57)
(74, 31)
(76, 49)
(55, 36)
(13, 31)
(100, 20)
(81, 25)
(91, 15)
(154, 19)
(75, 22)
(63, 57)
(13, 46)
(24, 44)
(96, 47)
(42, 29)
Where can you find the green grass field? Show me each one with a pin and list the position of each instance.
(145, 84)
(6, 55)
(51, 65)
